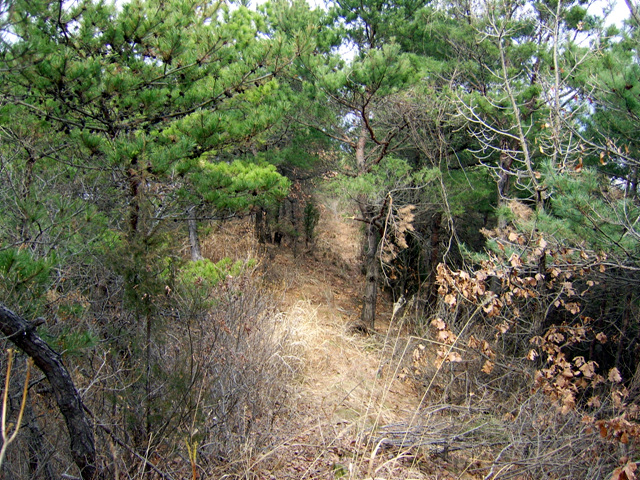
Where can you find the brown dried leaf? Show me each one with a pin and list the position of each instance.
(567, 373)
(444, 336)
(588, 369)
(438, 323)
(568, 402)
(573, 307)
(603, 430)
(473, 342)
(515, 260)
(454, 357)
(488, 367)
(503, 327)
(450, 299)
(630, 469)
(594, 402)
(614, 375)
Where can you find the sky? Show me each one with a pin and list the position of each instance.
(619, 13)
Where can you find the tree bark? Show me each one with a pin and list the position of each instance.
(372, 274)
(504, 179)
(194, 241)
(24, 336)
(259, 225)
(434, 258)
(133, 179)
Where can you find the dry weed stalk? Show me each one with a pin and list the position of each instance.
(8, 439)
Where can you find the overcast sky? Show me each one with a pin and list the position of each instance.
(619, 13)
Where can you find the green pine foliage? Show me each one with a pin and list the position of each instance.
(24, 279)
(239, 185)
(585, 215)
(205, 274)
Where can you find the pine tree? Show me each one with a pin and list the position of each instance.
(122, 110)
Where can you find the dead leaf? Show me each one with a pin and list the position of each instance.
(450, 299)
(488, 367)
(454, 357)
(628, 471)
(594, 402)
(603, 430)
(503, 327)
(515, 260)
(588, 369)
(438, 323)
(614, 375)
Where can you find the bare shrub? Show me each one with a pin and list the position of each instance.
(535, 441)
(528, 346)
(231, 368)
(220, 370)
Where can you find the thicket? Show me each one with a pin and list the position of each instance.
(536, 341)
(489, 153)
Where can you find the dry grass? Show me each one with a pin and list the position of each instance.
(356, 407)
(350, 384)
(376, 407)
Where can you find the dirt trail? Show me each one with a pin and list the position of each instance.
(348, 386)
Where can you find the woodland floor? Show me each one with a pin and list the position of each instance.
(351, 384)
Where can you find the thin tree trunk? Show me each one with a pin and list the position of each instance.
(26, 191)
(24, 336)
(372, 274)
(133, 179)
(504, 179)
(259, 225)
(147, 396)
(294, 226)
(268, 222)
(434, 258)
(194, 241)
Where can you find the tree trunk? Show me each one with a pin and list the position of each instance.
(294, 226)
(259, 225)
(372, 274)
(194, 241)
(434, 258)
(506, 160)
(133, 179)
(268, 222)
(24, 336)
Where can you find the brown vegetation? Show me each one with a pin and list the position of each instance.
(271, 382)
